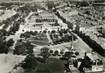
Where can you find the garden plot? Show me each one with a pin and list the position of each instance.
(38, 38)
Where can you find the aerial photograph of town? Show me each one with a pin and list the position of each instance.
(52, 36)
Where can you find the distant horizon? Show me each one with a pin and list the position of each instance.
(41, 0)
(19, 0)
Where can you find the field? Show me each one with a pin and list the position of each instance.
(7, 62)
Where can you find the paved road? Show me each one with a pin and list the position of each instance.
(81, 46)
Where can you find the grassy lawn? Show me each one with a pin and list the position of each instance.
(40, 42)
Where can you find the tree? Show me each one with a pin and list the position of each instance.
(20, 49)
(50, 4)
(3, 46)
(76, 53)
(23, 48)
(30, 62)
(45, 53)
(52, 66)
(45, 31)
(68, 55)
(29, 47)
(3, 32)
(56, 53)
(53, 31)
(56, 65)
(10, 42)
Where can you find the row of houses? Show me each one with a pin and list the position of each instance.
(44, 20)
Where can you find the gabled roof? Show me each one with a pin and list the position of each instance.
(92, 56)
